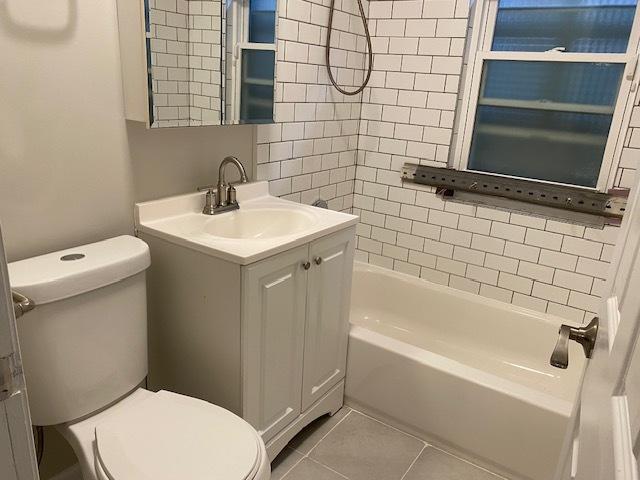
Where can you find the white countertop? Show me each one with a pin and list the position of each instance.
(180, 220)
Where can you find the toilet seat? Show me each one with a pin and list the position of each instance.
(168, 436)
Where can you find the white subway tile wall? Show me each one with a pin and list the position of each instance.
(185, 59)
(407, 115)
(205, 82)
(310, 152)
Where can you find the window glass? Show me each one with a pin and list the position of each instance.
(262, 21)
(545, 120)
(597, 26)
(256, 95)
(561, 82)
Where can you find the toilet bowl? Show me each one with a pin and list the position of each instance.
(84, 352)
(164, 435)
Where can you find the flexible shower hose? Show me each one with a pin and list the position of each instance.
(328, 50)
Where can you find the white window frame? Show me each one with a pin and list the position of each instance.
(479, 51)
(240, 36)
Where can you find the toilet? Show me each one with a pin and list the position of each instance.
(84, 351)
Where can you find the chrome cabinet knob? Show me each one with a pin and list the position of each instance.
(317, 260)
(306, 265)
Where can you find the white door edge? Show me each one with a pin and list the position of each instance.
(624, 460)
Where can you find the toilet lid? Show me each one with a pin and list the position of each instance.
(170, 436)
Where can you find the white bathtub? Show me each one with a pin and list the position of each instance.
(468, 373)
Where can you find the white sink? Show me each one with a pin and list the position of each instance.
(263, 226)
(259, 223)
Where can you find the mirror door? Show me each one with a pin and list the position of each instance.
(210, 62)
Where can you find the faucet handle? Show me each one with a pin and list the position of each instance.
(210, 199)
(560, 355)
(585, 336)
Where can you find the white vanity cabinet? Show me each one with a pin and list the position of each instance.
(266, 340)
(295, 319)
(327, 317)
(273, 323)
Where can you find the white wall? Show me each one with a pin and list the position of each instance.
(169, 161)
(70, 167)
(63, 144)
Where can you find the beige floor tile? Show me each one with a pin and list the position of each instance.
(309, 470)
(361, 448)
(436, 465)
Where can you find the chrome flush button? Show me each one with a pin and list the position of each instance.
(72, 256)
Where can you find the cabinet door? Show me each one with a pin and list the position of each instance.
(273, 312)
(328, 303)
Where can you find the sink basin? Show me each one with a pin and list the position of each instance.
(263, 226)
(259, 223)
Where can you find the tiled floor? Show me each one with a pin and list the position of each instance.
(354, 446)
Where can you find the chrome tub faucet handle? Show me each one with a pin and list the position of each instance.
(584, 336)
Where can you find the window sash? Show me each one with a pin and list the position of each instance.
(480, 48)
(240, 10)
(557, 56)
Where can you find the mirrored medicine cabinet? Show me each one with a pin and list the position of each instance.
(198, 62)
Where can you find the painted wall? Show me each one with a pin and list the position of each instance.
(70, 167)
(170, 161)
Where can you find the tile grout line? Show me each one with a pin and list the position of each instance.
(392, 427)
(328, 468)
(425, 446)
(326, 434)
(292, 466)
(469, 462)
(306, 455)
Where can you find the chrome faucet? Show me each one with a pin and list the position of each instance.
(225, 200)
(226, 192)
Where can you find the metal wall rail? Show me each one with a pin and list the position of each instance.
(447, 181)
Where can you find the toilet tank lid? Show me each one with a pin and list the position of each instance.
(59, 275)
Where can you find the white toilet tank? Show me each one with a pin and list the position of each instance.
(85, 344)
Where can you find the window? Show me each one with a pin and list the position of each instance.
(548, 89)
(253, 45)
(256, 93)
(262, 21)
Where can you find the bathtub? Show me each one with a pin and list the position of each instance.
(467, 373)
